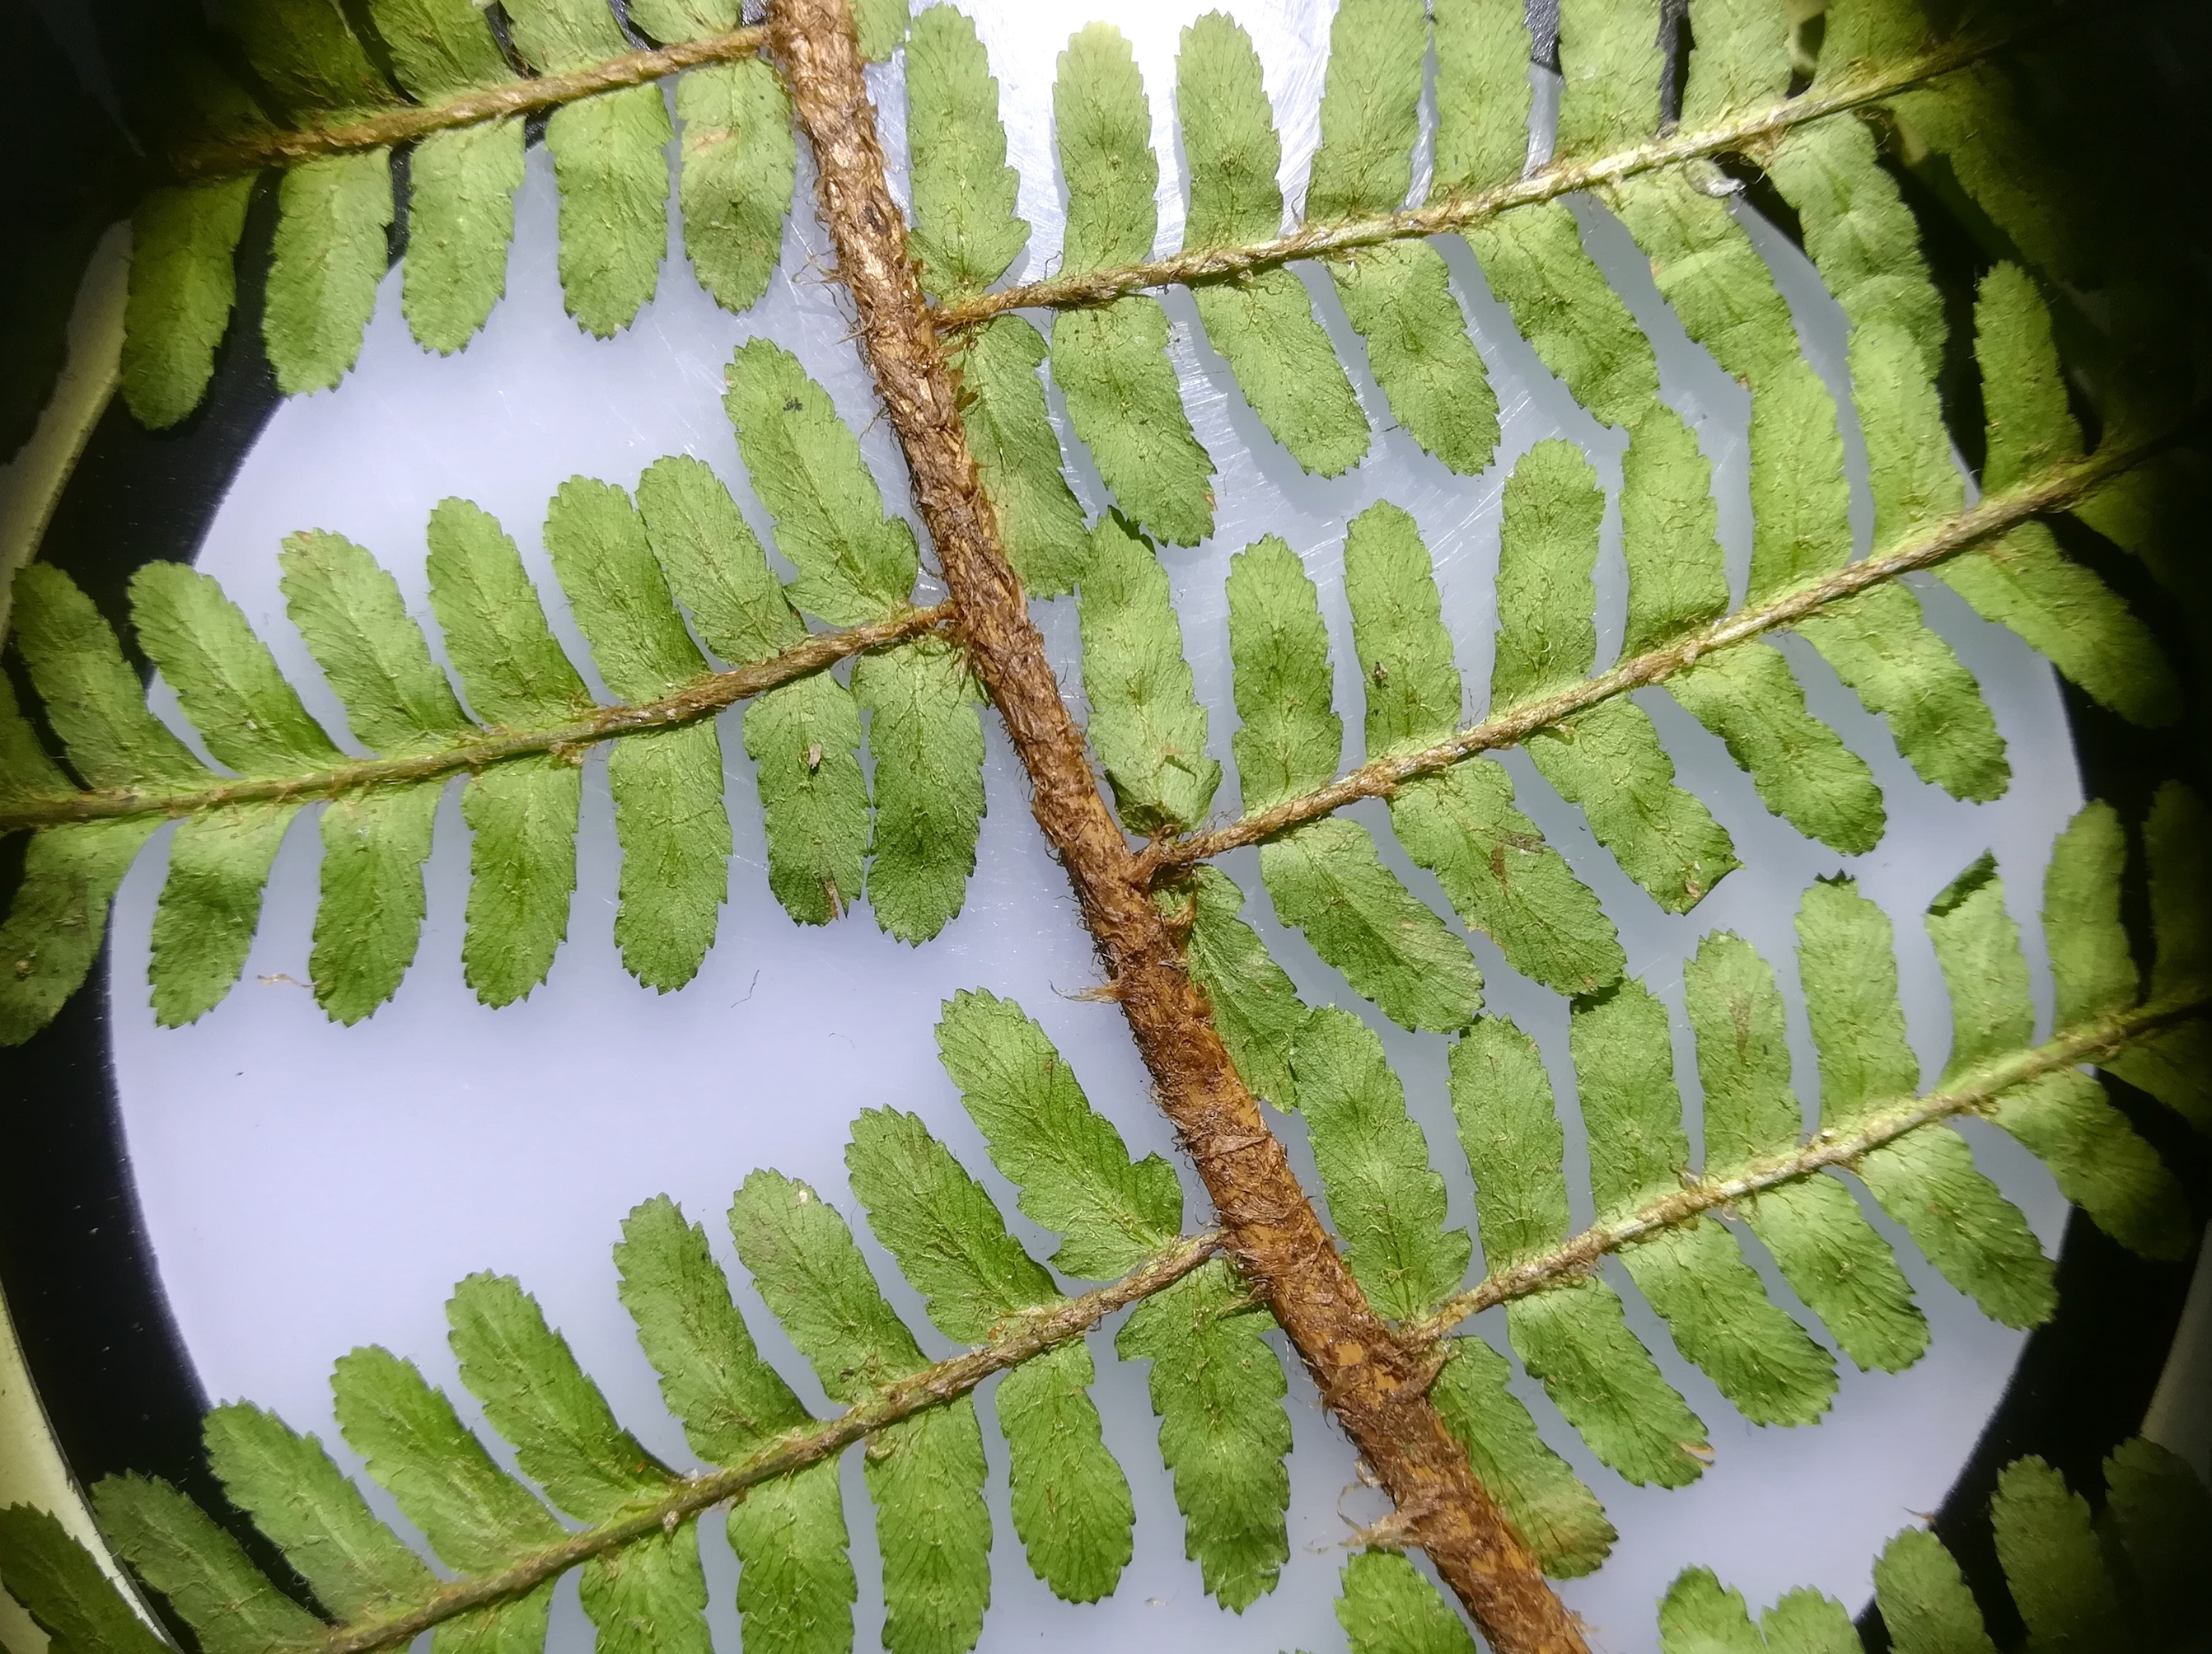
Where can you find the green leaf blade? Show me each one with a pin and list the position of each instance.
(1723, 1321)
(1925, 1600)
(1072, 1169)
(2091, 968)
(460, 220)
(1708, 269)
(610, 161)
(328, 257)
(1803, 772)
(2052, 1560)
(1264, 327)
(1147, 725)
(942, 1227)
(1111, 365)
(182, 284)
(1018, 457)
(810, 1274)
(1610, 66)
(1219, 1388)
(53, 932)
(1070, 1501)
(2066, 614)
(1104, 124)
(176, 1548)
(536, 1395)
(966, 232)
(1291, 738)
(1976, 1238)
(926, 1477)
(1386, 1608)
(674, 831)
(2102, 1165)
(1677, 580)
(1548, 1503)
(1508, 1128)
(730, 1402)
(1387, 1205)
(1827, 1251)
(495, 630)
(648, 1597)
(1609, 761)
(1326, 879)
(601, 551)
(1502, 879)
(210, 906)
(803, 738)
(1406, 669)
(1399, 300)
(91, 697)
(1256, 1007)
(1533, 260)
(926, 737)
(1844, 1270)
(368, 922)
(926, 1473)
(358, 1568)
(224, 677)
(1229, 138)
(855, 564)
(350, 613)
(1742, 62)
(1901, 668)
(522, 820)
(54, 1578)
(475, 1515)
(1548, 544)
(738, 161)
(1573, 1340)
(1369, 110)
(711, 560)
(439, 46)
(795, 1581)
(1483, 95)
(1848, 968)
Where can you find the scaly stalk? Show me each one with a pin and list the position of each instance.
(1375, 1383)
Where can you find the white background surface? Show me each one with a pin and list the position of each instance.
(309, 1188)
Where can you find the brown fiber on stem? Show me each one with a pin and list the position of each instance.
(1375, 1384)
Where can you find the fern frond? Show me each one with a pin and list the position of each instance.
(1897, 70)
(623, 568)
(1659, 1217)
(2124, 1578)
(461, 108)
(637, 1551)
(1699, 665)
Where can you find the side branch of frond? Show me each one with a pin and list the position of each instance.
(469, 109)
(1976, 1089)
(1454, 212)
(2055, 490)
(703, 698)
(1019, 1338)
